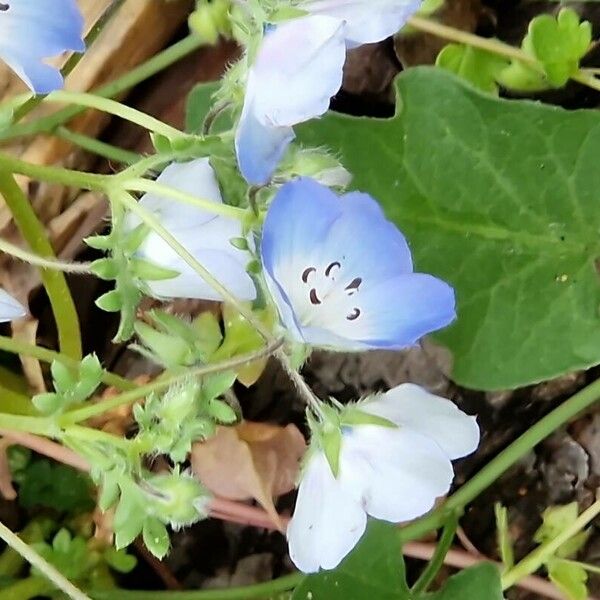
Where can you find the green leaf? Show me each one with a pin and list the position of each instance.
(199, 103)
(119, 560)
(499, 198)
(479, 67)
(555, 520)
(481, 582)
(559, 43)
(156, 537)
(48, 402)
(374, 569)
(56, 486)
(570, 578)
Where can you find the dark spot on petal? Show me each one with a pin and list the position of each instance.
(306, 273)
(314, 299)
(4, 6)
(354, 284)
(354, 315)
(330, 267)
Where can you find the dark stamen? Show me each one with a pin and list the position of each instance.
(306, 273)
(328, 269)
(354, 284)
(4, 6)
(354, 315)
(314, 299)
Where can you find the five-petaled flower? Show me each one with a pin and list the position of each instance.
(34, 30)
(298, 68)
(390, 473)
(10, 308)
(206, 236)
(341, 274)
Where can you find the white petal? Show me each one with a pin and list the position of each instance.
(367, 21)
(10, 308)
(398, 473)
(205, 235)
(411, 406)
(297, 70)
(327, 523)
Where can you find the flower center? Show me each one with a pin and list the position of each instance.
(4, 6)
(327, 285)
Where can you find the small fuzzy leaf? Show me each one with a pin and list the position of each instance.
(99, 242)
(221, 412)
(48, 403)
(105, 268)
(156, 537)
(110, 302)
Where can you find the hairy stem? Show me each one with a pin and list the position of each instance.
(63, 307)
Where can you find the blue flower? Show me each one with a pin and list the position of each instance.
(298, 68)
(341, 274)
(33, 30)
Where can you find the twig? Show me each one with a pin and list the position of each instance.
(466, 542)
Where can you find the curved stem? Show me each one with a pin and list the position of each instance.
(35, 560)
(503, 461)
(81, 414)
(146, 185)
(14, 346)
(152, 66)
(61, 300)
(152, 221)
(98, 147)
(39, 261)
(115, 108)
(85, 181)
(258, 590)
(437, 560)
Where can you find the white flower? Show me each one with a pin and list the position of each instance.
(10, 308)
(205, 235)
(390, 473)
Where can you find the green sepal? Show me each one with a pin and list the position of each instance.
(64, 378)
(48, 403)
(105, 268)
(148, 271)
(221, 412)
(109, 490)
(331, 442)
(110, 302)
(129, 515)
(99, 242)
(354, 416)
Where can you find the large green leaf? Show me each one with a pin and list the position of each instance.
(481, 582)
(374, 569)
(501, 199)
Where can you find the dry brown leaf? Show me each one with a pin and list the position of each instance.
(25, 330)
(252, 460)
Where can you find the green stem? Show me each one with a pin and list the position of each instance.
(152, 66)
(437, 560)
(534, 560)
(115, 108)
(40, 261)
(68, 177)
(44, 354)
(82, 414)
(24, 589)
(33, 558)
(16, 403)
(45, 426)
(63, 307)
(146, 185)
(259, 590)
(97, 147)
(569, 409)
(153, 222)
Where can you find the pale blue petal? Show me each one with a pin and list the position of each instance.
(367, 21)
(296, 71)
(10, 308)
(31, 33)
(259, 147)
